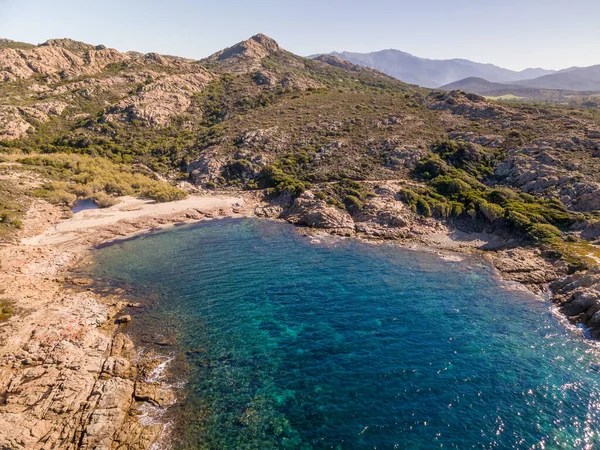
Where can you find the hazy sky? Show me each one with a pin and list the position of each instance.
(512, 33)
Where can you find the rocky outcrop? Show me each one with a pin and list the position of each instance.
(55, 61)
(578, 297)
(384, 217)
(246, 55)
(207, 168)
(158, 102)
(335, 61)
(525, 266)
(70, 386)
(307, 210)
(397, 155)
(12, 123)
(544, 168)
(15, 121)
(471, 106)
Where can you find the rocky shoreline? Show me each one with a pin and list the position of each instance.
(71, 377)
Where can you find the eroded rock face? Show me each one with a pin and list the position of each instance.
(66, 381)
(158, 102)
(384, 217)
(12, 123)
(311, 212)
(578, 297)
(543, 169)
(52, 60)
(207, 168)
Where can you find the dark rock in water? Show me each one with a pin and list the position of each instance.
(165, 341)
(123, 319)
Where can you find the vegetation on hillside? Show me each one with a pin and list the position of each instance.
(287, 124)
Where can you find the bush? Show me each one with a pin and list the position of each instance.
(467, 156)
(518, 220)
(501, 195)
(105, 201)
(491, 211)
(86, 176)
(353, 203)
(163, 194)
(423, 207)
(447, 186)
(273, 177)
(543, 233)
(431, 167)
(54, 196)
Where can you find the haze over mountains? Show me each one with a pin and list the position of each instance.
(475, 77)
(434, 73)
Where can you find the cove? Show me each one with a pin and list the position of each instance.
(339, 344)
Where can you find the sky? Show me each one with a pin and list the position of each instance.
(515, 34)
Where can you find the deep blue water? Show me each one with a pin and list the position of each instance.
(342, 344)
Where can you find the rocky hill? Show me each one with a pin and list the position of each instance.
(255, 116)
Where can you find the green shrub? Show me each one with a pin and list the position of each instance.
(501, 195)
(423, 207)
(431, 167)
(54, 196)
(165, 193)
(467, 156)
(543, 233)
(105, 201)
(447, 186)
(5, 311)
(86, 176)
(491, 211)
(273, 177)
(353, 203)
(518, 220)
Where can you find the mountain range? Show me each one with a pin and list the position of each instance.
(434, 73)
(477, 77)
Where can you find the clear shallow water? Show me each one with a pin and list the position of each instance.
(342, 344)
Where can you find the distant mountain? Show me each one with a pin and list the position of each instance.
(435, 72)
(477, 85)
(575, 79)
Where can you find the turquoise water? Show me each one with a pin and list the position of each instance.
(341, 344)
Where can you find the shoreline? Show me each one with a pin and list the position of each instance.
(69, 377)
(67, 407)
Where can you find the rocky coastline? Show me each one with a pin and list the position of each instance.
(70, 376)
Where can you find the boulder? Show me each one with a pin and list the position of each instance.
(311, 212)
